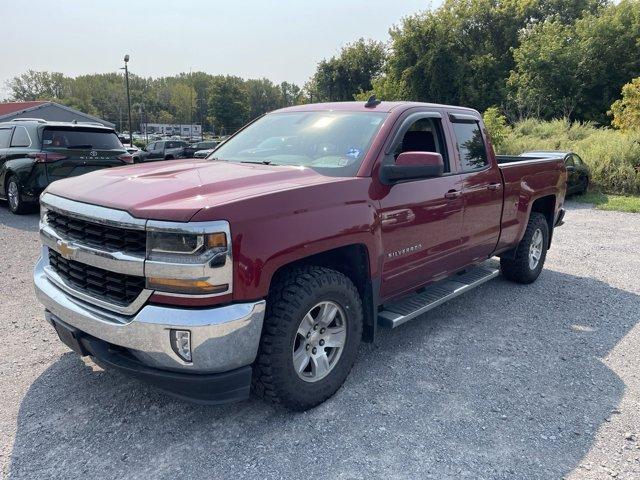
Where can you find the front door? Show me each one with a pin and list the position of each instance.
(421, 219)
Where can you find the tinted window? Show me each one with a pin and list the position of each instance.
(20, 138)
(5, 137)
(569, 161)
(577, 160)
(79, 138)
(473, 153)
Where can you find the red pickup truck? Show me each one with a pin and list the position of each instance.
(263, 266)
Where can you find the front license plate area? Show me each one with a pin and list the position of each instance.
(70, 336)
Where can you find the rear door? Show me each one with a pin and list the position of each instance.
(74, 150)
(481, 189)
(421, 219)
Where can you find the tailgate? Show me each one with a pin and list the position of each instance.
(75, 150)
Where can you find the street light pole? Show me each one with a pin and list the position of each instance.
(126, 75)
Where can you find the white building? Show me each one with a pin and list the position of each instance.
(184, 130)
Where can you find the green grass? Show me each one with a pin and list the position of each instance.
(603, 201)
(613, 156)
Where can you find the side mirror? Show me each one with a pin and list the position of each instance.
(413, 166)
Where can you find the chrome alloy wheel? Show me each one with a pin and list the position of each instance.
(535, 249)
(319, 341)
(13, 195)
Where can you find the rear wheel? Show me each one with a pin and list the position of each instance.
(530, 254)
(584, 186)
(310, 339)
(14, 197)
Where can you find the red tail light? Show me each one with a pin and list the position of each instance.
(47, 157)
(126, 158)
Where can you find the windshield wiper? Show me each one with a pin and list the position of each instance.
(263, 162)
(81, 146)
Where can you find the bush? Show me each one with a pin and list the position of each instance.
(497, 126)
(612, 155)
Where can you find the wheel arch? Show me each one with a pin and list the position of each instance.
(545, 205)
(352, 261)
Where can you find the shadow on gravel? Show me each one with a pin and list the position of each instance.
(505, 382)
(28, 222)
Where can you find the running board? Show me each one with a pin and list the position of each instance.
(408, 308)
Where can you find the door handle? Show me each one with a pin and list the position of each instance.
(494, 186)
(452, 194)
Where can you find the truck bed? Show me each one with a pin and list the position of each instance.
(504, 159)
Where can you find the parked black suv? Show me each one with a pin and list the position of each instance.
(35, 152)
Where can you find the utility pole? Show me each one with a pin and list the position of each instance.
(126, 76)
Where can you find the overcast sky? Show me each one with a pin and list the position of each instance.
(277, 39)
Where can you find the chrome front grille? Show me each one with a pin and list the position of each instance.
(102, 237)
(117, 288)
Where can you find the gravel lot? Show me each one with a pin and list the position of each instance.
(508, 381)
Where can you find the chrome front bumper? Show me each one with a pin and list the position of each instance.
(222, 338)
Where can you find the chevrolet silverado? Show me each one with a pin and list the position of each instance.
(263, 266)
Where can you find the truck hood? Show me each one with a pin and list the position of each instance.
(177, 190)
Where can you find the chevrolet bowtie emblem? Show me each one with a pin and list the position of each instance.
(66, 250)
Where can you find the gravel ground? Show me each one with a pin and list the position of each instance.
(508, 381)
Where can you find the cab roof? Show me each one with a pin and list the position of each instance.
(384, 107)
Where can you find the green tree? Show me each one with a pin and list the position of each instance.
(228, 102)
(544, 82)
(182, 100)
(33, 85)
(626, 111)
(352, 71)
(262, 96)
(497, 127)
(610, 56)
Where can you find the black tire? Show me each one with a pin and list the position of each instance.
(518, 268)
(169, 157)
(585, 186)
(291, 297)
(17, 206)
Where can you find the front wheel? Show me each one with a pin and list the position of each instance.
(530, 254)
(310, 339)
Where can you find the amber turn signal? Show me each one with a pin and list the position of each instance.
(216, 240)
(192, 287)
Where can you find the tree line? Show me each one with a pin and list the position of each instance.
(530, 58)
(220, 102)
(527, 58)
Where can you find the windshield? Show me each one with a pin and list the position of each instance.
(333, 143)
(78, 138)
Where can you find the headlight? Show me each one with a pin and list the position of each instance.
(184, 247)
(188, 262)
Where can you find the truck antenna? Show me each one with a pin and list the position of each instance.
(372, 102)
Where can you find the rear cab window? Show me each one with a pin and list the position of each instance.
(469, 143)
(80, 139)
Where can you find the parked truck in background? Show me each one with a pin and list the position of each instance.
(266, 267)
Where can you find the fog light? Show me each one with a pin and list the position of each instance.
(181, 343)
